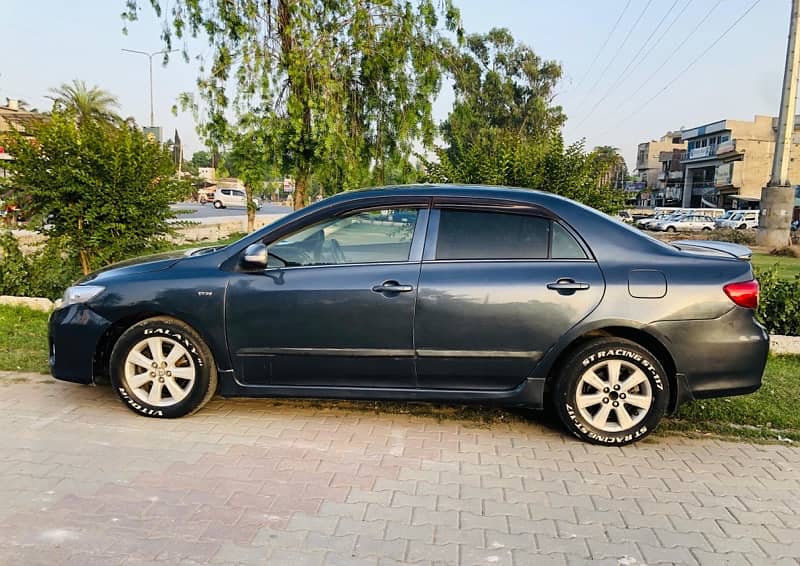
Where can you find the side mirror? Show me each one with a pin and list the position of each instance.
(256, 255)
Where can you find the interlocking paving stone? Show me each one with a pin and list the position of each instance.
(84, 481)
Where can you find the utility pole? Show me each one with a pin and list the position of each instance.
(777, 198)
(150, 57)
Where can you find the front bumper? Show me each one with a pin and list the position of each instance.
(74, 334)
(720, 357)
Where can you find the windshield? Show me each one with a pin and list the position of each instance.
(739, 216)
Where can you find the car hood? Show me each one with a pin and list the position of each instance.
(144, 264)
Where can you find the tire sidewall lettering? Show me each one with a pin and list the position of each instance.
(178, 337)
(625, 354)
(128, 399)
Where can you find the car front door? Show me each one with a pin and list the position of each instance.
(335, 306)
(497, 289)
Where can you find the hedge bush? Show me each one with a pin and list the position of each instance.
(779, 302)
(44, 273)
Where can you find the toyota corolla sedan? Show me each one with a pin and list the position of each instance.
(427, 293)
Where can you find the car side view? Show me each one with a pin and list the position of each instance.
(427, 293)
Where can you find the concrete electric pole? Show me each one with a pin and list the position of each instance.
(777, 198)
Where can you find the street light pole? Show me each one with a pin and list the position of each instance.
(150, 58)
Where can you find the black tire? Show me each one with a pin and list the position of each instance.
(742, 227)
(706, 228)
(218, 204)
(197, 359)
(595, 354)
(670, 228)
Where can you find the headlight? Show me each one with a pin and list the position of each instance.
(80, 294)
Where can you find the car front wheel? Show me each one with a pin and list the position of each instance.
(670, 228)
(611, 391)
(160, 367)
(218, 204)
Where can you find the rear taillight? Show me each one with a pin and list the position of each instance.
(744, 293)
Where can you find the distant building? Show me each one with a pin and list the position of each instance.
(207, 173)
(12, 117)
(728, 162)
(648, 159)
(669, 181)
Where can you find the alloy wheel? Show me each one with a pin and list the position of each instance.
(159, 371)
(614, 395)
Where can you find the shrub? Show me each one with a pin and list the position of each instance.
(779, 302)
(744, 237)
(786, 251)
(44, 273)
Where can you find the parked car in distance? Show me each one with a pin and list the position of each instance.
(645, 222)
(725, 216)
(223, 198)
(741, 220)
(683, 223)
(625, 216)
(468, 294)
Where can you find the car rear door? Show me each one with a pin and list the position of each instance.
(498, 286)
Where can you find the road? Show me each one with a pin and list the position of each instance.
(208, 214)
(85, 481)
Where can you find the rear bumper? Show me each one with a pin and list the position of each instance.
(718, 358)
(74, 333)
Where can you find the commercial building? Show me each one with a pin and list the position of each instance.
(728, 162)
(649, 165)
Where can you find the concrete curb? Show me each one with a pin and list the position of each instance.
(784, 344)
(35, 303)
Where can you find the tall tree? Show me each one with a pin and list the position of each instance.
(332, 81)
(613, 171)
(201, 158)
(248, 159)
(500, 84)
(86, 103)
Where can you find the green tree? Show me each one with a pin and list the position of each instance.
(613, 169)
(105, 190)
(86, 103)
(201, 159)
(248, 159)
(504, 130)
(332, 81)
(502, 84)
(502, 157)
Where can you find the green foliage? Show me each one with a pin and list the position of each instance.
(503, 129)
(105, 190)
(500, 157)
(744, 237)
(340, 87)
(86, 103)
(249, 158)
(44, 273)
(201, 159)
(23, 339)
(779, 302)
(500, 84)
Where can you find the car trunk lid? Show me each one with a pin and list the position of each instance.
(714, 248)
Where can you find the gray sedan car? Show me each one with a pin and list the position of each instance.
(427, 293)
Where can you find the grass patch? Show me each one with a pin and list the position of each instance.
(23, 339)
(770, 412)
(787, 267)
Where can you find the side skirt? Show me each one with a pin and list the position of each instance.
(530, 393)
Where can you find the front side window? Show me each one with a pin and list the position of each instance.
(477, 235)
(373, 236)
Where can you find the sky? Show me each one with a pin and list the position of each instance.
(666, 65)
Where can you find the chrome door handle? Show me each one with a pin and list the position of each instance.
(567, 286)
(392, 287)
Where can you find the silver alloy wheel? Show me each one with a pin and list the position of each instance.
(157, 378)
(614, 395)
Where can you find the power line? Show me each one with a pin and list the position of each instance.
(671, 55)
(619, 50)
(602, 47)
(663, 34)
(695, 60)
(630, 62)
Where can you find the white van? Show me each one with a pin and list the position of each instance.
(712, 212)
(741, 219)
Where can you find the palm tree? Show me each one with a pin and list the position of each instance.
(612, 165)
(88, 103)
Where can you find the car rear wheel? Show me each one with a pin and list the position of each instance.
(611, 391)
(670, 228)
(160, 367)
(706, 228)
(218, 204)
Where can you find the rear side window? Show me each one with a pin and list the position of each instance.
(465, 234)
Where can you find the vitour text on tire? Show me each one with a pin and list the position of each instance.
(160, 367)
(611, 391)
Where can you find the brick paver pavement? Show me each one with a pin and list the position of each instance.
(84, 481)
